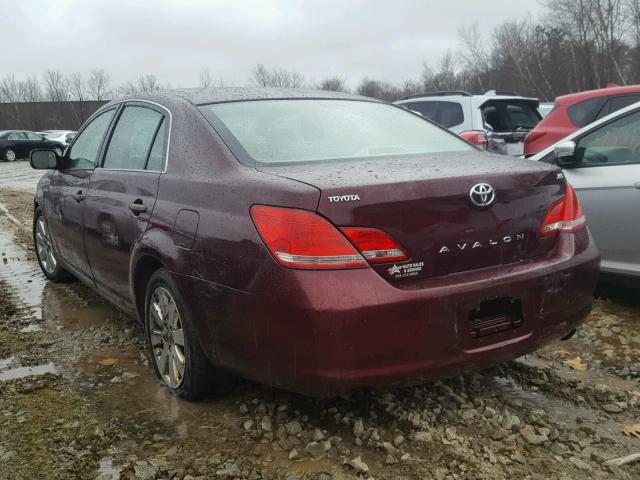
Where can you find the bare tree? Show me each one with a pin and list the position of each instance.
(474, 54)
(98, 85)
(10, 89)
(205, 79)
(30, 90)
(334, 84)
(261, 76)
(77, 87)
(148, 83)
(56, 86)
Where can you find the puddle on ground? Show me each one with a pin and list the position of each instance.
(563, 411)
(106, 468)
(22, 372)
(32, 327)
(5, 362)
(23, 277)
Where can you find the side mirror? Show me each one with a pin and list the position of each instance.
(566, 154)
(43, 159)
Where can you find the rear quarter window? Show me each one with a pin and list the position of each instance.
(583, 113)
(447, 114)
(450, 114)
(426, 109)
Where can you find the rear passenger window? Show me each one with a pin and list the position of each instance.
(132, 138)
(450, 114)
(583, 113)
(156, 157)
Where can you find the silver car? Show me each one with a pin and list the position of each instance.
(602, 162)
(496, 121)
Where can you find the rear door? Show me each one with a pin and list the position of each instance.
(122, 193)
(607, 181)
(507, 123)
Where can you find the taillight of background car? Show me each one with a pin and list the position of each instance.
(476, 137)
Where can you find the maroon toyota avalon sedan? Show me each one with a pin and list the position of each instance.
(314, 241)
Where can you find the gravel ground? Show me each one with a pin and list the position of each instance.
(78, 400)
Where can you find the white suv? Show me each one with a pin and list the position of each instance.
(495, 121)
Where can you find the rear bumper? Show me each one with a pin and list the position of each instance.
(323, 333)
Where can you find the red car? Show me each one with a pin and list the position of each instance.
(574, 111)
(314, 241)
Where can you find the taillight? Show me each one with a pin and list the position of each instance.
(534, 135)
(375, 245)
(476, 137)
(564, 216)
(303, 239)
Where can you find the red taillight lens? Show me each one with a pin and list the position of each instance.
(476, 137)
(375, 245)
(303, 239)
(564, 216)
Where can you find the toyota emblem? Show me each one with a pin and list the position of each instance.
(482, 195)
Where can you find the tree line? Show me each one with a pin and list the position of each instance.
(574, 45)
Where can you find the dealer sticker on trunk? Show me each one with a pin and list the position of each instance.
(406, 270)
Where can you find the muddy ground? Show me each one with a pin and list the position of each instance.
(78, 400)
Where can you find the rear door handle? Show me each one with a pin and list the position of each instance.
(137, 208)
(79, 196)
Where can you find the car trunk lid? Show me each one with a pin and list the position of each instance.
(425, 205)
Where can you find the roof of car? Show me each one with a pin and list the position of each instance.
(204, 96)
(457, 95)
(573, 98)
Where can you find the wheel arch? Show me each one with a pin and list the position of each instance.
(145, 266)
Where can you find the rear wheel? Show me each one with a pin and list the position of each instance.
(178, 359)
(45, 253)
(9, 155)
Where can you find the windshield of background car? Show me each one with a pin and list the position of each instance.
(292, 131)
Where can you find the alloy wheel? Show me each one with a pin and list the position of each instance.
(10, 155)
(167, 338)
(44, 247)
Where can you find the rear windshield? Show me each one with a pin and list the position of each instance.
(306, 130)
(510, 115)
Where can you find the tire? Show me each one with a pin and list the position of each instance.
(47, 259)
(184, 369)
(9, 155)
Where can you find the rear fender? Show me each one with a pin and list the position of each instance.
(157, 244)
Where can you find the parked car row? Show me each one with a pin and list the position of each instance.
(17, 144)
(316, 241)
(62, 136)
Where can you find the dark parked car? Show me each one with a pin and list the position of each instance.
(314, 241)
(15, 144)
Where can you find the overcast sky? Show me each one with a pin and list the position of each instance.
(176, 39)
